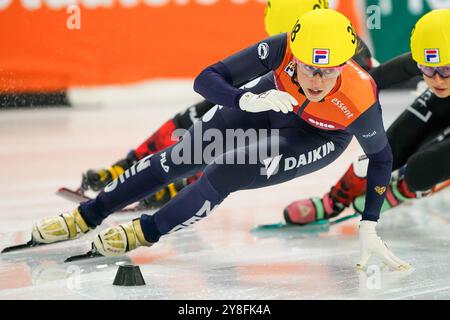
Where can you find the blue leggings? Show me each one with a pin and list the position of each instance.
(288, 148)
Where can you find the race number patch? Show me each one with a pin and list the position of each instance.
(290, 68)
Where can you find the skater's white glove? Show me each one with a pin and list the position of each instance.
(371, 244)
(270, 100)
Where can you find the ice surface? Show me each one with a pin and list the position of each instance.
(219, 257)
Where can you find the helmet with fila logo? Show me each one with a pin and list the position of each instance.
(280, 15)
(430, 39)
(323, 38)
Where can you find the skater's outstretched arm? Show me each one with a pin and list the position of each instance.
(217, 82)
(395, 71)
(369, 131)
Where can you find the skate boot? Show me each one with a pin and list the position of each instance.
(96, 180)
(66, 226)
(352, 183)
(161, 197)
(164, 195)
(396, 193)
(349, 186)
(118, 240)
(312, 210)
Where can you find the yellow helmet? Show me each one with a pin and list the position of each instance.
(430, 39)
(323, 38)
(280, 15)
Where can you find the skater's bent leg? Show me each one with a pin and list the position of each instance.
(219, 180)
(198, 199)
(429, 166)
(155, 171)
(425, 168)
(193, 203)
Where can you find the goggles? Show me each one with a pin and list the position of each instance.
(444, 71)
(325, 73)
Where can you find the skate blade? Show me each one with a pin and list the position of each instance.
(22, 246)
(28, 245)
(93, 255)
(88, 255)
(285, 226)
(72, 195)
(317, 225)
(77, 197)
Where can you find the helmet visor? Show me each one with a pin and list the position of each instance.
(325, 72)
(444, 72)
